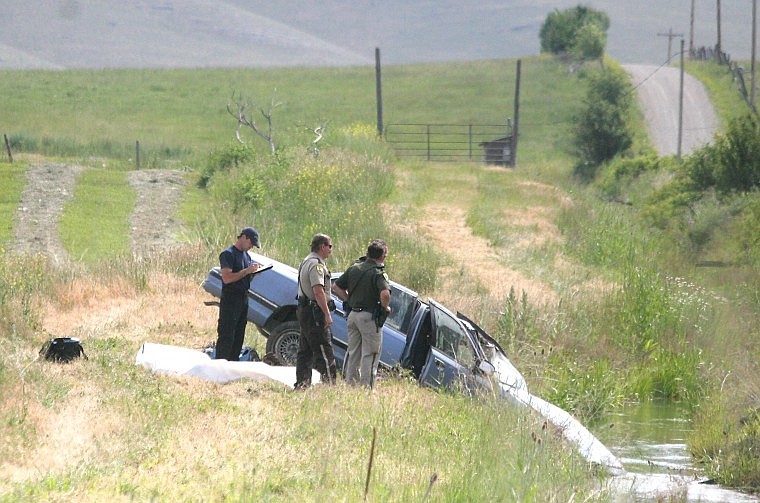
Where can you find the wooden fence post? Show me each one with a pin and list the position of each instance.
(515, 128)
(8, 148)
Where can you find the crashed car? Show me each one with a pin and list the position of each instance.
(440, 348)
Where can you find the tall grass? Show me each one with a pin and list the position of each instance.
(21, 278)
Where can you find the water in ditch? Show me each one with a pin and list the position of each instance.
(650, 440)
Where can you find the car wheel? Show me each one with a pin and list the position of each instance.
(283, 342)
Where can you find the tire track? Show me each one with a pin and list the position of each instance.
(48, 187)
(153, 225)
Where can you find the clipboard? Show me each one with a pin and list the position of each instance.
(262, 268)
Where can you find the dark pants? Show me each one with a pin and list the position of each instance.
(233, 311)
(314, 349)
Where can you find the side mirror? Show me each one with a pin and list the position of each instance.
(486, 367)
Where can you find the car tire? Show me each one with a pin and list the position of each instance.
(283, 342)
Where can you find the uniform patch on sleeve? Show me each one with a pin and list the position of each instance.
(320, 269)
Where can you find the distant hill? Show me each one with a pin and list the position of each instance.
(58, 34)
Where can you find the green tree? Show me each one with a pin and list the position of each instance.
(580, 31)
(602, 128)
(590, 42)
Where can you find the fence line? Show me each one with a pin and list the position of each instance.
(723, 58)
(451, 142)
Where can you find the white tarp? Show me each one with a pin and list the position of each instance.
(190, 362)
(588, 445)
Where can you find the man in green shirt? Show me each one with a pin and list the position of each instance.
(364, 287)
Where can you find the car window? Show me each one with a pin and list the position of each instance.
(451, 339)
(402, 307)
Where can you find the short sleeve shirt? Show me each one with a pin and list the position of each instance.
(313, 272)
(364, 282)
(237, 260)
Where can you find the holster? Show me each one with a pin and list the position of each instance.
(317, 314)
(379, 315)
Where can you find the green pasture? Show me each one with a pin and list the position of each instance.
(176, 114)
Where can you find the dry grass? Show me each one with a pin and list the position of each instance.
(173, 307)
(479, 262)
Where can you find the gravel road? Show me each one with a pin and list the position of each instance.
(658, 91)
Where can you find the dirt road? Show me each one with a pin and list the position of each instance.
(49, 186)
(659, 97)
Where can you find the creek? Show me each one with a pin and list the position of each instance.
(650, 440)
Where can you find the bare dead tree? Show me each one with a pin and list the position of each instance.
(241, 110)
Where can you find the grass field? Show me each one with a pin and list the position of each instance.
(538, 259)
(181, 113)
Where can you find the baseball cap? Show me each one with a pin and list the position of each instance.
(251, 234)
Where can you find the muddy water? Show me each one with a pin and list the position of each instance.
(650, 440)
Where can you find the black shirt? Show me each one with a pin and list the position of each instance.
(237, 260)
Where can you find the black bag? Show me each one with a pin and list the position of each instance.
(62, 349)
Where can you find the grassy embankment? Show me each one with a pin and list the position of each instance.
(575, 256)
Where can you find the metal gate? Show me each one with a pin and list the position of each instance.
(490, 143)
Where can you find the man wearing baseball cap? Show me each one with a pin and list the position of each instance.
(237, 270)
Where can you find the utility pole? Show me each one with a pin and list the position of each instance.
(752, 65)
(680, 109)
(670, 36)
(691, 29)
(717, 45)
(379, 93)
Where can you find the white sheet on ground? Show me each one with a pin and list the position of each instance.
(190, 362)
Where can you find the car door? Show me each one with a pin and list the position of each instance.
(453, 357)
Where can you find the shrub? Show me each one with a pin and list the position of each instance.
(224, 159)
(623, 172)
(249, 190)
(646, 314)
(732, 162)
(602, 127)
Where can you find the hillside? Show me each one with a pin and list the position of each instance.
(245, 33)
